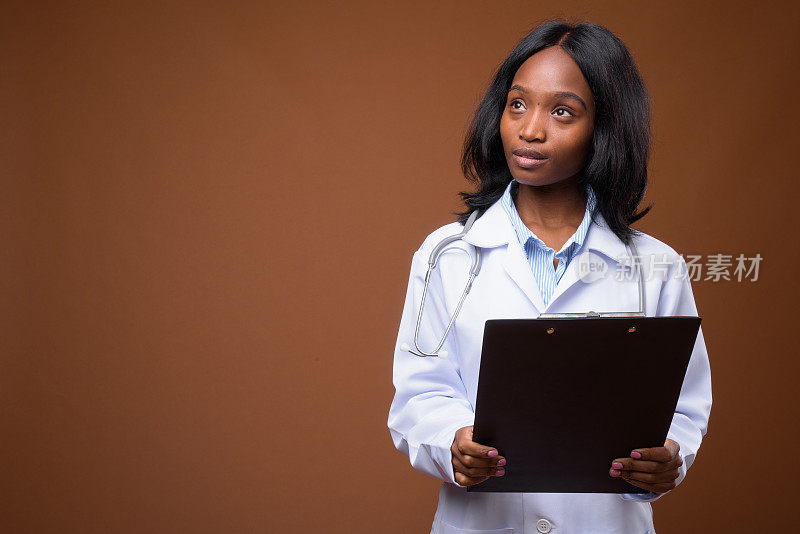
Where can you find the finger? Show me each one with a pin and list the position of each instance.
(474, 474)
(468, 481)
(650, 478)
(645, 466)
(467, 446)
(476, 471)
(656, 454)
(472, 461)
(476, 461)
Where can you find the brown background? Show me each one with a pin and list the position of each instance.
(210, 211)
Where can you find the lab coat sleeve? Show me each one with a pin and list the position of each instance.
(430, 402)
(690, 421)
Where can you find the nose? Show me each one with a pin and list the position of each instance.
(534, 125)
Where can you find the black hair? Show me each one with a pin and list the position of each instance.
(616, 167)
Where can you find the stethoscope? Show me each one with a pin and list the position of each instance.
(476, 267)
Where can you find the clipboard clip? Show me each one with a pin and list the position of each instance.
(589, 315)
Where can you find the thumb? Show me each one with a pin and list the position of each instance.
(476, 449)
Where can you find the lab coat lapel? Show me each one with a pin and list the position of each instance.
(493, 229)
(599, 239)
(517, 266)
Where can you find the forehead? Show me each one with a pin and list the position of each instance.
(551, 70)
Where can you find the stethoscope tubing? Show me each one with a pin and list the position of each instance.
(476, 266)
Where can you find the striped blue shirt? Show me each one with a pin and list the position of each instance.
(539, 255)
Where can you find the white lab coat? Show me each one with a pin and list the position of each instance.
(435, 397)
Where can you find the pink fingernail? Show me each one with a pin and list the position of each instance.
(636, 454)
(492, 454)
(617, 465)
(614, 473)
(502, 462)
(501, 472)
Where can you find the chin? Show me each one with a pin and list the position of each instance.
(535, 182)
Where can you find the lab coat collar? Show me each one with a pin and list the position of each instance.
(600, 238)
(491, 229)
(494, 229)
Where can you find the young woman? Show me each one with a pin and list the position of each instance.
(558, 148)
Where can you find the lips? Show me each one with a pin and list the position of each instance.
(528, 158)
(527, 152)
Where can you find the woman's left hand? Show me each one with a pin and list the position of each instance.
(654, 469)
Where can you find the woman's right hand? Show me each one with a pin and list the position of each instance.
(473, 463)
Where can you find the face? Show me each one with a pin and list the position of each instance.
(549, 110)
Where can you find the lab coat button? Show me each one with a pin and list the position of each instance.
(543, 526)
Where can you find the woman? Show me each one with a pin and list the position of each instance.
(558, 149)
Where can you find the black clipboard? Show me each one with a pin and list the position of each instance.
(560, 398)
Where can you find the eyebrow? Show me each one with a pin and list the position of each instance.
(559, 94)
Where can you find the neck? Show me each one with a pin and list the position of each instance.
(551, 206)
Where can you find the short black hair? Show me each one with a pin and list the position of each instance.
(616, 167)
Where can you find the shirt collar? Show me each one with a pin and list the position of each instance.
(524, 234)
(493, 229)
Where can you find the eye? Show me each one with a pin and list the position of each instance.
(511, 104)
(564, 109)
